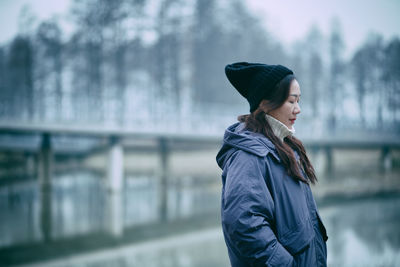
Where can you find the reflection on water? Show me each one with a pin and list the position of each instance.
(19, 213)
(78, 202)
(77, 195)
(364, 233)
(81, 204)
(361, 233)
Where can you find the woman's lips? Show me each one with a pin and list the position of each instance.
(292, 120)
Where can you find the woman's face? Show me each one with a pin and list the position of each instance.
(287, 113)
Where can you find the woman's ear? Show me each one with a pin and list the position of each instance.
(264, 106)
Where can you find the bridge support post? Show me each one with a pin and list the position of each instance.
(115, 174)
(163, 176)
(328, 161)
(30, 163)
(386, 159)
(45, 167)
(318, 162)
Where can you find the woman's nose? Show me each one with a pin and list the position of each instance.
(297, 109)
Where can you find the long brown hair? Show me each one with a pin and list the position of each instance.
(256, 122)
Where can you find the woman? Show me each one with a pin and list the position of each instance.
(269, 216)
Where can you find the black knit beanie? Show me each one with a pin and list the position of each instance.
(255, 81)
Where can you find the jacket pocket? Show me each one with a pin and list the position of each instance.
(299, 238)
(320, 248)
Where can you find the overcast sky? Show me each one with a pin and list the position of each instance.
(287, 20)
(291, 19)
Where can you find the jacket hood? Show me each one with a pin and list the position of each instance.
(236, 137)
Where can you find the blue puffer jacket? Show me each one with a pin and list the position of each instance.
(268, 218)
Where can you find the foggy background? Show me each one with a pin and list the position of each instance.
(112, 112)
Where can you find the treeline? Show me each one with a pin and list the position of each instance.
(144, 62)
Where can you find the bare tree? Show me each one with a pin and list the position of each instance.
(20, 86)
(106, 29)
(391, 78)
(335, 88)
(367, 68)
(49, 69)
(166, 59)
(4, 92)
(315, 69)
(207, 52)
